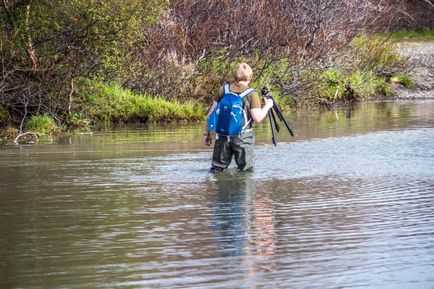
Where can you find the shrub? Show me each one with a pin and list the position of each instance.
(9, 133)
(373, 54)
(77, 122)
(402, 79)
(4, 117)
(334, 84)
(366, 85)
(42, 124)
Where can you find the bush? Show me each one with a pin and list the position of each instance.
(8, 133)
(366, 85)
(77, 122)
(361, 73)
(4, 117)
(403, 79)
(42, 124)
(334, 86)
(373, 54)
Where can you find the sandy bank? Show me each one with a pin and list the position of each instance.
(421, 58)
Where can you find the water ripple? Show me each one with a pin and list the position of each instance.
(338, 212)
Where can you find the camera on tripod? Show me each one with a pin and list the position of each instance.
(265, 92)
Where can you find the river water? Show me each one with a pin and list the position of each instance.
(347, 203)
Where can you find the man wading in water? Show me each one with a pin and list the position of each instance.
(231, 116)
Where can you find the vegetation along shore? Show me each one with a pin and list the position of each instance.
(131, 61)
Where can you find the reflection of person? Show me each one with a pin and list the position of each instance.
(239, 146)
(234, 195)
(243, 223)
(263, 219)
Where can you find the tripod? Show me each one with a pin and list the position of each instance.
(271, 115)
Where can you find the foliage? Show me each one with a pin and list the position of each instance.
(361, 72)
(373, 53)
(48, 45)
(42, 124)
(184, 50)
(78, 123)
(4, 117)
(334, 84)
(366, 85)
(402, 79)
(8, 133)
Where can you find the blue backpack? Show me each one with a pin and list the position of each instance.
(227, 118)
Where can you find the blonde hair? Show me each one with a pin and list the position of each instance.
(243, 72)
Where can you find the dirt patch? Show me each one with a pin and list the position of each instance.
(421, 58)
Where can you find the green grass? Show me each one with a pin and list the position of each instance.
(363, 73)
(334, 85)
(402, 79)
(425, 34)
(109, 103)
(41, 124)
(373, 53)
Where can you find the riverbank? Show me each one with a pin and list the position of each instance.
(106, 104)
(420, 56)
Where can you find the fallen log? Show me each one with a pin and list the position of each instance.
(36, 135)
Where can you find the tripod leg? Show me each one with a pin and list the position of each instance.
(282, 118)
(274, 120)
(273, 139)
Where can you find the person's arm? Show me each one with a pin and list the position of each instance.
(258, 114)
(207, 139)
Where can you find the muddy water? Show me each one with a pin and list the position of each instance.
(347, 203)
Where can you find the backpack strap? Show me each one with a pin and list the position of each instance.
(246, 107)
(246, 92)
(242, 94)
(226, 88)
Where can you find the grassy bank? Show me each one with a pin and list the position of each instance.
(102, 105)
(365, 70)
(110, 104)
(426, 34)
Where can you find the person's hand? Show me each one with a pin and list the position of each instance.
(268, 102)
(207, 139)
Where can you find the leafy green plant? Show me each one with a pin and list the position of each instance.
(366, 85)
(402, 79)
(334, 86)
(77, 122)
(42, 124)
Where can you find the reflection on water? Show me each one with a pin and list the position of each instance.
(347, 203)
(234, 195)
